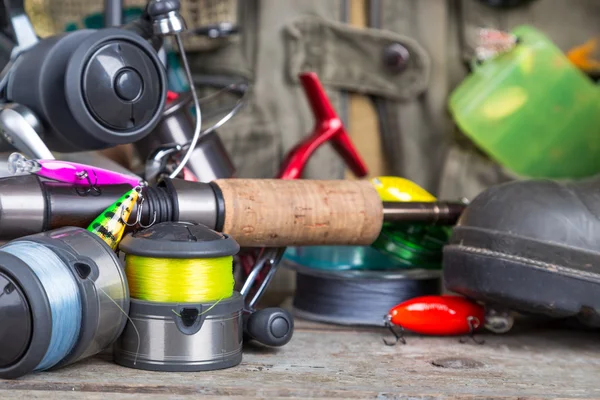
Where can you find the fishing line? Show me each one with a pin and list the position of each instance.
(179, 280)
(232, 87)
(198, 127)
(234, 110)
(358, 297)
(137, 332)
(203, 312)
(63, 296)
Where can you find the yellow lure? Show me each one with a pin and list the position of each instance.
(179, 280)
(396, 189)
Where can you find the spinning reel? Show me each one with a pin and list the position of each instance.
(84, 90)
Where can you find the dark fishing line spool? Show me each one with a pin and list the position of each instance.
(186, 315)
(63, 297)
(355, 297)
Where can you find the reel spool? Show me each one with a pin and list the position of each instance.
(413, 245)
(355, 297)
(182, 300)
(63, 298)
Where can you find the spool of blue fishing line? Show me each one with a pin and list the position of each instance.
(63, 297)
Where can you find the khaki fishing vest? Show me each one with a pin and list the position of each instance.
(280, 38)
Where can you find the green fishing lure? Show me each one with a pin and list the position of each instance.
(110, 225)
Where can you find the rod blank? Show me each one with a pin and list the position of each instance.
(438, 213)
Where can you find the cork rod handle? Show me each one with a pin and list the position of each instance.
(274, 212)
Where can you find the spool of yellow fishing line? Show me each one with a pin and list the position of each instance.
(183, 304)
(180, 280)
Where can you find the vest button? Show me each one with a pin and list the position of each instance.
(396, 57)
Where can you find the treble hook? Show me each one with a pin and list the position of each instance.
(398, 335)
(138, 216)
(92, 186)
(474, 323)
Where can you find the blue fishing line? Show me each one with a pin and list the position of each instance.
(63, 295)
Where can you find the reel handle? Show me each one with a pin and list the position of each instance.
(270, 326)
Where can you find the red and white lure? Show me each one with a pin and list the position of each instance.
(443, 316)
(493, 42)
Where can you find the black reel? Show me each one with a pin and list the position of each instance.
(88, 89)
(91, 89)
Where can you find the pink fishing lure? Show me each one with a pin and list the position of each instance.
(68, 172)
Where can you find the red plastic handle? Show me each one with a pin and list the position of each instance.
(328, 128)
(171, 96)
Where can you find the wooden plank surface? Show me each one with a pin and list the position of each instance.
(325, 361)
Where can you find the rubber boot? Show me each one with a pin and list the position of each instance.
(532, 246)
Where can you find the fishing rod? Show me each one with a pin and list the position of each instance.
(256, 212)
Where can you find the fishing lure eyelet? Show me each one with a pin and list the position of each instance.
(398, 335)
(474, 324)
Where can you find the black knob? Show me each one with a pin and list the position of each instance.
(163, 7)
(128, 84)
(270, 326)
(123, 94)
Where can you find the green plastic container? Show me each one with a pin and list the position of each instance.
(532, 111)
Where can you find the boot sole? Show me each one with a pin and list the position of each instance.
(523, 274)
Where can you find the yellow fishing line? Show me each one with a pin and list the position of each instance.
(179, 280)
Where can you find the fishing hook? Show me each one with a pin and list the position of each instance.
(138, 215)
(398, 335)
(474, 323)
(91, 186)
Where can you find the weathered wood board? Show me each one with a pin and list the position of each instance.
(335, 362)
